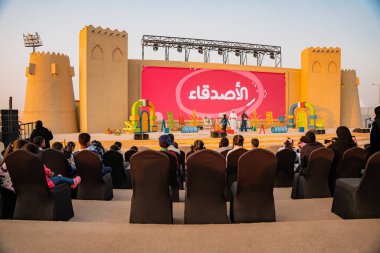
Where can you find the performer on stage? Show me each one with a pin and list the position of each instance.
(232, 118)
(244, 118)
(224, 123)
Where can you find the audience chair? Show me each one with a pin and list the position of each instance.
(205, 201)
(231, 172)
(7, 203)
(315, 183)
(35, 201)
(351, 166)
(94, 185)
(114, 159)
(359, 198)
(285, 168)
(175, 177)
(56, 162)
(224, 153)
(252, 199)
(151, 202)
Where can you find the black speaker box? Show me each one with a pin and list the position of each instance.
(141, 136)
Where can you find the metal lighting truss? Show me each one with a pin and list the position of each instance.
(224, 48)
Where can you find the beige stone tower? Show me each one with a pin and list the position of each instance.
(320, 82)
(103, 78)
(49, 92)
(349, 104)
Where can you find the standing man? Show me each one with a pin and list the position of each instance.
(42, 131)
(244, 118)
(224, 123)
(232, 118)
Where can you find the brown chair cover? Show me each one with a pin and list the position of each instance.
(253, 199)
(205, 202)
(231, 172)
(114, 160)
(351, 166)
(175, 177)
(151, 201)
(285, 168)
(357, 198)
(7, 203)
(34, 199)
(94, 185)
(315, 183)
(224, 153)
(56, 162)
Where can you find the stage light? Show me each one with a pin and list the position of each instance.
(255, 54)
(220, 51)
(271, 55)
(32, 40)
(155, 47)
(200, 50)
(179, 49)
(237, 52)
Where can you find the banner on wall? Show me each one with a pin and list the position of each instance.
(211, 92)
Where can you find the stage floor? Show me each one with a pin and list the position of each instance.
(184, 140)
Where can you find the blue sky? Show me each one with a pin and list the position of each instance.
(294, 25)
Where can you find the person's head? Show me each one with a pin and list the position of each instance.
(32, 148)
(39, 141)
(311, 136)
(164, 141)
(114, 147)
(134, 148)
(198, 145)
(13, 146)
(224, 142)
(224, 116)
(171, 136)
(288, 143)
(39, 124)
(344, 134)
(118, 144)
(70, 146)
(238, 140)
(303, 141)
(377, 112)
(255, 143)
(57, 146)
(233, 111)
(84, 140)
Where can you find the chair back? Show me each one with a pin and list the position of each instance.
(285, 168)
(353, 162)
(29, 182)
(56, 162)
(114, 159)
(253, 200)
(232, 164)
(151, 201)
(273, 148)
(369, 187)
(224, 153)
(205, 202)
(319, 166)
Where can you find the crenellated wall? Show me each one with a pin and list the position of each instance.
(49, 92)
(103, 78)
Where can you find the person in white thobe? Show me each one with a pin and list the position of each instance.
(232, 118)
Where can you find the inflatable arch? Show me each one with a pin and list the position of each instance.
(302, 115)
(144, 121)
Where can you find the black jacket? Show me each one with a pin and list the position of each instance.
(43, 132)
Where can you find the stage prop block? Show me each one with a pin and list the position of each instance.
(142, 121)
(303, 118)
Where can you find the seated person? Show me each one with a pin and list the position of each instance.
(96, 147)
(198, 145)
(223, 145)
(59, 147)
(237, 142)
(288, 144)
(307, 144)
(173, 145)
(84, 142)
(51, 179)
(40, 142)
(255, 143)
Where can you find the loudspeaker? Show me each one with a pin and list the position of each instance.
(141, 136)
(7, 138)
(218, 134)
(9, 121)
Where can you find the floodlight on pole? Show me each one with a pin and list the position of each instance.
(32, 40)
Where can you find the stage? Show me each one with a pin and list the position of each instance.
(184, 140)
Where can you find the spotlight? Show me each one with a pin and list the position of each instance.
(220, 51)
(155, 47)
(237, 52)
(271, 55)
(200, 50)
(179, 49)
(255, 54)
